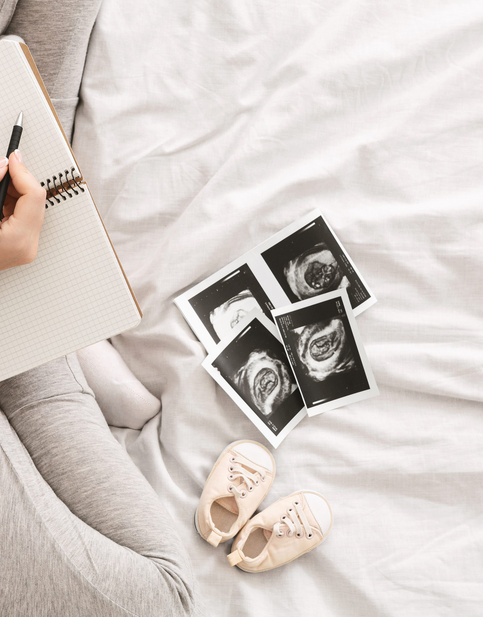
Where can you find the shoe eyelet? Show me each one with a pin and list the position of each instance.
(299, 535)
(230, 488)
(263, 478)
(284, 518)
(296, 503)
(257, 482)
(231, 468)
(243, 494)
(310, 536)
(290, 510)
(250, 489)
(230, 477)
(280, 535)
(232, 459)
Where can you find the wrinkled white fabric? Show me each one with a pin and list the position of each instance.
(204, 127)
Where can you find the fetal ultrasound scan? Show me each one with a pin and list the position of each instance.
(254, 370)
(325, 350)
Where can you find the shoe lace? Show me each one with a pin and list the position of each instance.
(249, 478)
(295, 521)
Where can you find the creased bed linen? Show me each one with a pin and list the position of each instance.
(205, 127)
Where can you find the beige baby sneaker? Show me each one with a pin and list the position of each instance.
(282, 532)
(237, 484)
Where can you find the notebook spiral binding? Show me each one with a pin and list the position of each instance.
(58, 188)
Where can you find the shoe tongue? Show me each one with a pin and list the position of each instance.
(229, 504)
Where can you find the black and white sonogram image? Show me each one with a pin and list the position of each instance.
(256, 367)
(314, 272)
(225, 303)
(264, 381)
(324, 349)
(311, 262)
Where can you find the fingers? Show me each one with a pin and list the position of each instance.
(30, 206)
(3, 172)
(9, 205)
(23, 181)
(3, 167)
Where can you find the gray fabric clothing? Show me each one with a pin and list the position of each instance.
(82, 531)
(57, 34)
(7, 9)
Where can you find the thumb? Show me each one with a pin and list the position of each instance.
(22, 180)
(30, 206)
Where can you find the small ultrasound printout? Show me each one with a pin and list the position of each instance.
(324, 348)
(254, 371)
(308, 260)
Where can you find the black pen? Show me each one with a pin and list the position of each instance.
(12, 146)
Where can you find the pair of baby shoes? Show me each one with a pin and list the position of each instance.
(236, 486)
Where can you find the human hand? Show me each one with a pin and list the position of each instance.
(23, 212)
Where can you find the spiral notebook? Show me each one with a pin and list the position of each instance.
(75, 293)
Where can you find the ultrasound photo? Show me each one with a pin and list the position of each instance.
(254, 369)
(324, 349)
(310, 262)
(264, 381)
(323, 345)
(225, 303)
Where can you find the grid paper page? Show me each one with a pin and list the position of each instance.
(43, 146)
(73, 295)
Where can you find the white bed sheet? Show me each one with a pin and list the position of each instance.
(204, 128)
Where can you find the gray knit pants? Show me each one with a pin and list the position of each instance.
(82, 533)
